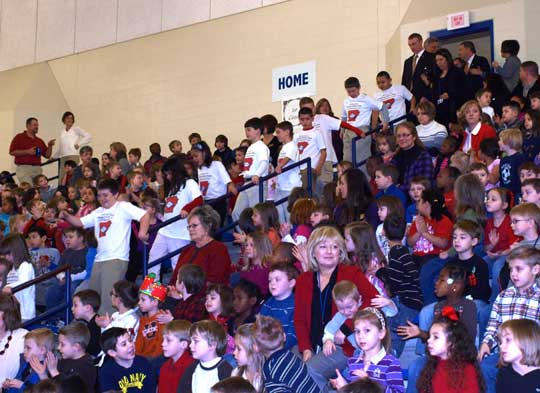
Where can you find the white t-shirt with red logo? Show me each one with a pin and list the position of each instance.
(325, 125)
(213, 180)
(286, 181)
(394, 99)
(357, 111)
(173, 205)
(309, 144)
(256, 160)
(112, 228)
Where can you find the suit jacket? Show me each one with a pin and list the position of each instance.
(518, 91)
(426, 64)
(475, 82)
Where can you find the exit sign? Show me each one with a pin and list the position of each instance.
(458, 20)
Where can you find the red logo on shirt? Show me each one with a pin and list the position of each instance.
(204, 187)
(170, 203)
(104, 228)
(301, 146)
(389, 102)
(247, 163)
(352, 114)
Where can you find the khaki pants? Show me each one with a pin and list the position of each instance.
(63, 162)
(304, 177)
(327, 173)
(363, 146)
(26, 173)
(104, 275)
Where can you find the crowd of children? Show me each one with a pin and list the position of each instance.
(440, 242)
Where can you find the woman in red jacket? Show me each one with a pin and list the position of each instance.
(211, 255)
(314, 306)
(475, 132)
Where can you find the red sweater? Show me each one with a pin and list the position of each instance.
(441, 380)
(485, 132)
(303, 299)
(171, 373)
(213, 258)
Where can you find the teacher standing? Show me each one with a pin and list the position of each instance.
(71, 139)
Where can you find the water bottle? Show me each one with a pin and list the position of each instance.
(38, 151)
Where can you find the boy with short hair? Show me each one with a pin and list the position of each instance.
(84, 306)
(484, 98)
(175, 347)
(510, 116)
(223, 150)
(310, 143)
(534, 97)
(175, 147)
(530, 191)
(393, 96)
(46, 192)
(403, 277)
(281, 281)
(386, 176)
(136, 185)
(124, 371)
(85, 154)
(9, 204)
(510, 142)
(528, 170)
(208, 344)
(150, 333)
(194, 137)
(72, 342)
(283, 371)
(360, 111)
(115, 173)
(37, 343)
(69, 168)
(255, 166)
(188, 299)
(134, 158)
(45, 259)
(479, 169)
(112, 228)
(525, 222)
(519, 301)
(321, 213)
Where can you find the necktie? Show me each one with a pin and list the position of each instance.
(414, 61)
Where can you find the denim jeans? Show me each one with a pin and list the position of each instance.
(489, 369)
(400, 319)
(322, 367)
(425, 319)
(415, 368)
(495, 266)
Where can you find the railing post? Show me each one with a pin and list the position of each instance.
(68, 296)
(144, 261)
(59, 168)
(261, 191)
(353, 151)
(309, 178)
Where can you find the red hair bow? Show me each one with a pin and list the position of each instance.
(450, 313)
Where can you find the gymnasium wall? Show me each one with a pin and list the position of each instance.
(208, 77)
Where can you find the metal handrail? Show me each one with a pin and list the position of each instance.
(376, 129)
(262, 180)
(48, 162)
(65, 306)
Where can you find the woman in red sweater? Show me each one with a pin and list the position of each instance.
(475, 132)
(314, 306)
(451, 365)
(204, 251)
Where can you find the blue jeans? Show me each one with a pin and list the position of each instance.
(483, 310)
(400, 319)
(322, 368)
(489, 369)
(415, 368)
(495, 266)
(429, 273)
(425, 319)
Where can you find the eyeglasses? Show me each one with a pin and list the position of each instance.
(516, 220)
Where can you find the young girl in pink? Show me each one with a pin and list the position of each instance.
(258, 250)
(385, 205)
(219, 305)
(89, 197)
(386, 146)
(300, 220)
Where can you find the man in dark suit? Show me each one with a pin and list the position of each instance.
(476, 68)
(421, 62)
(528, 79)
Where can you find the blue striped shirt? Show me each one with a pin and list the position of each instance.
(284, 372)
(384, 369)
(283, 311)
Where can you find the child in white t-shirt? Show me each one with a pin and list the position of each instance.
(361, 111)
(288, 155)
(393, 96)
(484, 96)
(255, 166)
(112, 228)
(124, 298)
(310, 143)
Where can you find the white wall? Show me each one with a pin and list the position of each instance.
(38, 30)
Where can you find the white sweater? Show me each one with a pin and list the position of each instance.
(432, 134)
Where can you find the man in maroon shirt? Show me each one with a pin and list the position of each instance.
(27, 148)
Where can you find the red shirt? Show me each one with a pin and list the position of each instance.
(22, 142)
(485, 132)
(213, 258)
(441, 228)
(441, 379)
(304, 297)
(505, 232)
(450, 202)
(171, 373)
